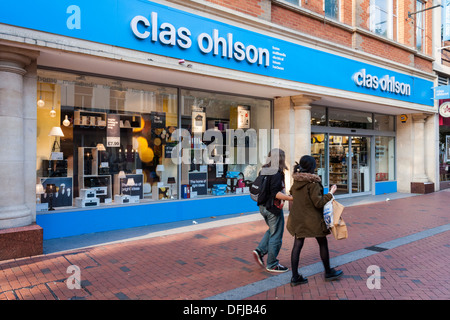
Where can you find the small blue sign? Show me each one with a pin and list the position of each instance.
(442, 92)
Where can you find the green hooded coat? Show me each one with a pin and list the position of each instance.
(305, 218)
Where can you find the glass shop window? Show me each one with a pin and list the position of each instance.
(318, 116)
(229, 138)
(102, 141)
(384, 158)
(350, 119)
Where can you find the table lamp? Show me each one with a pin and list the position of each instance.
(39, 191)
(130, 183)
(56, 132)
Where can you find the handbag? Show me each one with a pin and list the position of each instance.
(339, 228)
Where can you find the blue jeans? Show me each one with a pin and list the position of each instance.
(272, 239)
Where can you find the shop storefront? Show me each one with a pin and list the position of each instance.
(152, 114)
(351, 147)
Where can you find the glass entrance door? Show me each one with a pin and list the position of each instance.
(360, 161)
(349, 164)
(338, 171)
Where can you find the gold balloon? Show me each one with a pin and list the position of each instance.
(142, 143)
(146, 155)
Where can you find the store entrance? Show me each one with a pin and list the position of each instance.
(349, 164)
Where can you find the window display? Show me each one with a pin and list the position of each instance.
(384, 158)
(114, 136)
(116, 141)
(224, 131)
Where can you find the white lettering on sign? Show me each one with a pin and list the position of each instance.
(216, 44)
(384, 83)
(74, 21)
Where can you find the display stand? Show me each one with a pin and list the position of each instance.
(88, 176)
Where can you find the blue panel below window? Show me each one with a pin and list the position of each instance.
(385, 187)
(72, 223)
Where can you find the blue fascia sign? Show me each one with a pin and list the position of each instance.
(442, 92)
(158, 29)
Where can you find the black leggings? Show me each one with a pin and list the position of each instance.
(295, 254)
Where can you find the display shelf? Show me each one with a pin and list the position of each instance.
(89, 118)
(130, 121)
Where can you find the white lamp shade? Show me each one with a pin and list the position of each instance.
(56, 132)
(122, 175)
(39, 188)
(100, 147)
(130, 182)
(160, 167)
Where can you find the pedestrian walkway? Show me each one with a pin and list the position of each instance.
(406, 237)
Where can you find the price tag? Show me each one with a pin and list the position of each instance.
(113, 131)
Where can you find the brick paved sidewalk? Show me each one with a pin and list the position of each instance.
(204, 263)
(415, 271)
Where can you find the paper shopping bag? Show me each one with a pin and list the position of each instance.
(339, 228)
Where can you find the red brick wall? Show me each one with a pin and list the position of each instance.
(250, 7)
(386, 50)
(354, 13)
(310, 26)
(423, 64)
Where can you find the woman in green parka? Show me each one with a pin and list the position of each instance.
(306, 217)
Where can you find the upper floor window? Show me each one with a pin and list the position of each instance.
(420, 26)
(297, 2)
(331, 8)
(381, 17)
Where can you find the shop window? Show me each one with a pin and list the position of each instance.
(318, 116)
(350, 119)
(102, 141)
(107, 142)
(384, 122)
(229, 137)
(444, 153)
(384, 158)
(319, 145)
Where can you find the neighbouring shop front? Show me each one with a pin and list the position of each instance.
(444, 143)
(151, 114)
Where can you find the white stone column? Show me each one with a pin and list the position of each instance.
(419, 147)
(302, 118)
(14, 211)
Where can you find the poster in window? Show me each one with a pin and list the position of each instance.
(199, 182)
(198, 121)
(64, 191)
(158, 120)
(113, 131)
